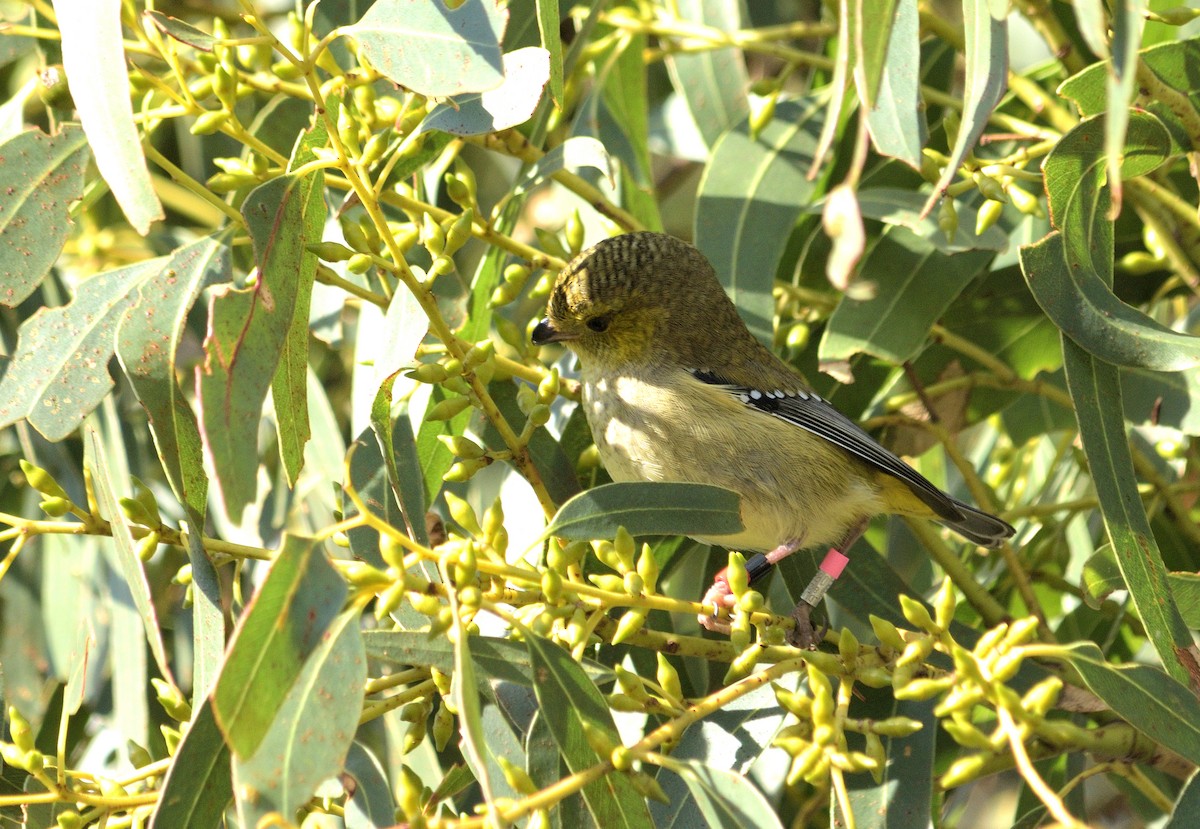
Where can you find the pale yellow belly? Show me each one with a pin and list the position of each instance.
(793, 485)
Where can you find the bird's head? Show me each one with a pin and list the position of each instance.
(638, 299)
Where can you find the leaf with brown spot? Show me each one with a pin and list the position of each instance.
(40, 175)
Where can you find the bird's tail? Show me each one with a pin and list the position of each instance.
(978, 526)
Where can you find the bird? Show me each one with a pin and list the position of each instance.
(675, 388)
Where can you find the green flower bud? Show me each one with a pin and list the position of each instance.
(462, 513)
(330, 251)
(461, 446)
(632, 622)
(989, 187)
(147, 545)
(41, 480)
(915, 611)
(56, 507)
(209, 122)
(447, 409)
(359, 263)
(989, 213)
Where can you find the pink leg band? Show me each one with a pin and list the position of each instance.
(823, 579)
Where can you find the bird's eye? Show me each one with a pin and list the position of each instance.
(598, 324)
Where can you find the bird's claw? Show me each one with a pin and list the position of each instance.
(718, 598)
(802, 635)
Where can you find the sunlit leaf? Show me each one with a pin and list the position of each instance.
(40, 176)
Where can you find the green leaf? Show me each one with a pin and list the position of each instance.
(525, 74)
(1127, 22)
(312, 732)
(40, 176)
(93, 55)
(903, 797)
(1187, 805)
(198, 785)
(915, 285)
(726, 800)
(985, 27)
(734, 740)
(283, 624)
(557, 473)
(432, 49)
(548, 23)
(902, 208)
(752, 192)
(148, 341)
(1148, 699)
(495, 659)
(59, 372)
(569, 700)
(370, 805)
(1175, 63)
(1167, 398)
(181, 31)
(1076, 179)
(574, 154)
(894, 114)
(648, 509)
(713, 82)
(465, 691)
(127, 561)
(1094, 318)
(407, 492)
(289, 387)
(1095, 390)
(248, 329)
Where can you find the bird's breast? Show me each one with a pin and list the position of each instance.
(669, 426)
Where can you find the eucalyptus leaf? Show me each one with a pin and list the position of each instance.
(648, 509)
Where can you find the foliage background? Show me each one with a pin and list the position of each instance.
(268, 306)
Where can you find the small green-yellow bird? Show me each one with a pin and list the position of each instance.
(676, 388)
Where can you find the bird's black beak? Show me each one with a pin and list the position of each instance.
(545, 332)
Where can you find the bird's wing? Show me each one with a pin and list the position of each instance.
(813, 414)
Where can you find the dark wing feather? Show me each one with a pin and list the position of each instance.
(811, 413)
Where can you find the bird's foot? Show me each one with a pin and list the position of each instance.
(802, 635)
(717, 598)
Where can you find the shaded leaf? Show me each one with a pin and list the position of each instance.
(1095, 389)
(1148, 699)
(726, 800)
(180, 30)
(370, 804)
(915, 284)
(40, 176)
(198, 785)
(713, 82)
(495, 658)
(751, 194)
(127, 561)
(985, 26)
(569, 700)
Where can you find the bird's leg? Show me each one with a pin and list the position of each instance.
(803, 635)
(719, 596)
